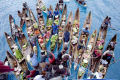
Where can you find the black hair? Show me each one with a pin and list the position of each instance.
(18, 11)
(42, 53)
(65, 48)
(27, 72)
(31, 55)
(50, 56)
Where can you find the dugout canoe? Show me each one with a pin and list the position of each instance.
(42, 6)
(40, 20)
(66, 28)
(49, 22)
(11, 60)
(101, 35)
(12, 26)
(22, 19)
(87, 23)
(76, 23)
(30, 32)
(100, 64)
(12, 44)
(87, 55)
(62, 26)
(84, 5)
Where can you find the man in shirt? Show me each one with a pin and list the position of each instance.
(54, 28)
(33, 60)
(49, 13)
(43, 56)
(85, 31)
(56, 13)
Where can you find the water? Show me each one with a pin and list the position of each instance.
(99, 8)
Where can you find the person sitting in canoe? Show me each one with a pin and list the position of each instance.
(54, 29)
(25, 6)
(111, 45)
(106, 22)
(66, 37)
(56, 13)
(69, 25)
(47, 35)
(49, 13)
(107, 55)
(60, 4)
(43, 56)
(85, 31)
(39, 12)
(81, 2)
(80, 45)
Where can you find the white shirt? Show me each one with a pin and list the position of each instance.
(38, 77)
(109, 52)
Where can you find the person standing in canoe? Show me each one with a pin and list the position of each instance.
(66, 37)
(106, 22)
(56, 13)
(54, 29)
(49, 13)
(34, 61)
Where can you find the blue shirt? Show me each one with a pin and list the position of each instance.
(66, 36)
(49, 12)
(56, 13)
(54, 27)
(33, 60)
(83, 29)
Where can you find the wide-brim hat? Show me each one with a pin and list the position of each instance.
(61, 66)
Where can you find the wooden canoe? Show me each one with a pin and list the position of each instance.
(11, 59)
(41, 5)
(100, 64)
(40, 20)
(102, 34)
(87, 52)
(48, 28)
(12, 26)
(30, 32)
(22, 20)
(11, 44)
(84, 5)
(62, 26)
(87, 23)
(25, 47)
(57, 7)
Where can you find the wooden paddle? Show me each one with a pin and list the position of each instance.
(115, 61)
(113, 28)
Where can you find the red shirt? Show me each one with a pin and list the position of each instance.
(98, 54)
(32, 74)
(53, 59)
(47, 35)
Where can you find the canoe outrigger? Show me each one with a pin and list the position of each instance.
(40, 19)
(87, 55)
(12, 27)
(49, 22)
(16, 51)
(74, 34)
(82, 3)
(42, 6)
(102, 68)
(78, 52)
(15, 65)
(100, 39)
(62, 26)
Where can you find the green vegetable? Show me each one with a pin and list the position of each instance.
(84, 64)
(49, 22)
(35, 26)
(60, 41)
(100, 47)
(43, 8)
(93, 35)
(56, 21)
(18, 54)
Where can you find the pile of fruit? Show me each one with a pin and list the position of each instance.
(49, 23)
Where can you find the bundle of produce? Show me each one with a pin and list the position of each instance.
(56, 21)
(49, 23)
(53, 41)
(76, 23)
(43, 8)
